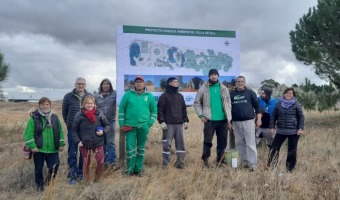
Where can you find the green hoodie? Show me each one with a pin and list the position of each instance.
(135, 110)
(48, 139)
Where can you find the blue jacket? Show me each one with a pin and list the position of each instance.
(267, 110)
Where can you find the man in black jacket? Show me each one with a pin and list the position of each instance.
(71, 105)
(172, 115)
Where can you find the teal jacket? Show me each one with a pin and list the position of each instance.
(48, 137)
(136, 110)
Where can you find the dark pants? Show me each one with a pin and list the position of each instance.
(221, 132)
(75, 170)
(52, 161)
(110, 145)
(292, 150)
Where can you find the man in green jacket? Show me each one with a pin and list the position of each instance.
(137, 113)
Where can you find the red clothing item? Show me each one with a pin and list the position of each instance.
(90, 114)
(99, 155)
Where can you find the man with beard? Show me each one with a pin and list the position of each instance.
(267, 104)
(212, 105)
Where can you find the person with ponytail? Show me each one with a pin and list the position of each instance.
(45, 138)
(88, 131)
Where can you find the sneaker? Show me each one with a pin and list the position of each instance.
(73, 181)
(165, 166)
(40, 188)
(205, 164)
(127, 174)
(81, 178)
(252, 168)
(139, 174)
(179, 166)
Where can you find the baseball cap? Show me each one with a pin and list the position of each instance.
(139, 77)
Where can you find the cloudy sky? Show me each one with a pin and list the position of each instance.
(50, 43)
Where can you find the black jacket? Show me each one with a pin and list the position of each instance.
(244, 105)
(288, 118)
(71, 105)
(84, 131)
(171, 108)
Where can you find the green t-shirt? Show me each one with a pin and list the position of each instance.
(217, 111)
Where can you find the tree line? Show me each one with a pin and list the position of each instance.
(311, 96)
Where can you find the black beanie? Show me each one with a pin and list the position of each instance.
(170, 79)
(268, 92)
(213, 71)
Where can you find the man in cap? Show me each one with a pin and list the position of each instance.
(212, 105)
(172, 116)
(245, 106)
(267, 103)
(137, 113)
(106, 103)
(71, 105)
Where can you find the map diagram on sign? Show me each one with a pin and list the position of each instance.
(146, 53)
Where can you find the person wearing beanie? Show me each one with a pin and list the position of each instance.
(267, 104)
(213, 106)
(137, 113)
(106, 103)
(172, 116)
(245, 107)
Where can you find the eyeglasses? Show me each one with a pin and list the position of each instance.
(80, 83)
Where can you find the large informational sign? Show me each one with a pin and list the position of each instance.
(187, 54)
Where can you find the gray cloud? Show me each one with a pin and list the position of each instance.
(49, 43)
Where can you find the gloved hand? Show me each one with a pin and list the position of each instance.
(185, 125)
(164, 126)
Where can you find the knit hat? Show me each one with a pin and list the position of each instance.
(170, 79)
(268, 92)
(213, 71)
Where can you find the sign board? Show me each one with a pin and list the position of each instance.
(187, 54)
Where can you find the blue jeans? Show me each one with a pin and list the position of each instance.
(110, 146)
(74, 170)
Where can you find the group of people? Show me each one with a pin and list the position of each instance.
(91, 126)
(90, 121)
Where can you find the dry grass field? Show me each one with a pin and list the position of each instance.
(317, 174)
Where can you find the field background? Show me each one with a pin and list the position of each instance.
(316, 176)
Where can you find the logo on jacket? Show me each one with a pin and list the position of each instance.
(146, 98)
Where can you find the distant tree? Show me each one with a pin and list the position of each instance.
(327, 98)
(162, 83)
(4, 73)
(270, 83)
(295, 85)
(316, 40)
(307, 86)
(308, 100)
(4, 69)
(275, 86)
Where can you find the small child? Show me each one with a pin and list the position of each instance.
(88, 129)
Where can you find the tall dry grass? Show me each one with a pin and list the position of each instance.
(316, 176)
